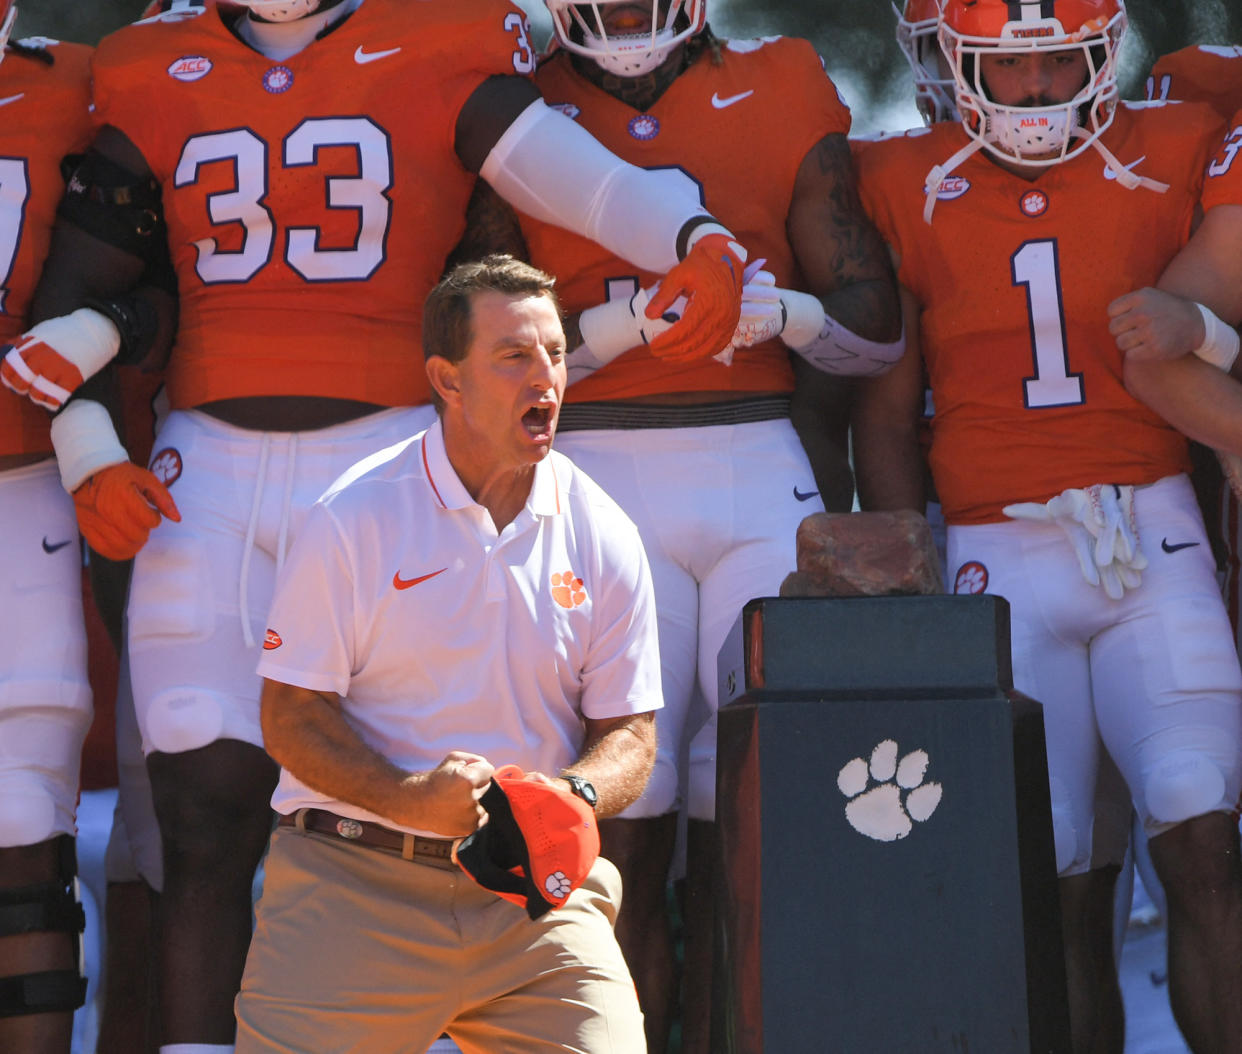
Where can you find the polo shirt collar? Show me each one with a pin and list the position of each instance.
(448, 491)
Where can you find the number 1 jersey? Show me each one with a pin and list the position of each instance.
(1014, 279)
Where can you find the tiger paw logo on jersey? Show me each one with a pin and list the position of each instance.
(643, 127)
(1033, 203)
(278, 79)
(166, 466)
(972, 577)
(567, 590)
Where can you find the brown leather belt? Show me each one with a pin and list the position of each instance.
(435, 851)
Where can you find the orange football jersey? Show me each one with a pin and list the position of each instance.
(310, 202)
(44, 115)
(1014, 279)
(737, 134)
(1200, 73)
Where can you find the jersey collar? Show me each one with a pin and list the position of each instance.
(448, 491)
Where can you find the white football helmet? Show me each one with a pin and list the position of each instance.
(972, 28)
(281, 10)
(580, 29)
(918, 28)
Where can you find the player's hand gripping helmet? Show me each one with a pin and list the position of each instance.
(970, 29)
(918, 28)
(580, 29)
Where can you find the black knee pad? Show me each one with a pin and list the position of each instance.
(48, 907)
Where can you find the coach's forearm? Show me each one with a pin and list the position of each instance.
(617, 758)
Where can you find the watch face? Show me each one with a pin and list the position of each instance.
(583, 788)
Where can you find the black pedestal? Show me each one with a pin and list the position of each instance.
(861, 911)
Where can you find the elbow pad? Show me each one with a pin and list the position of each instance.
(555, 171)
(830, 346)
(114, 205)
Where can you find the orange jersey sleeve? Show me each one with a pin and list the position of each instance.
(310, 202)
(1223, 182)
(1201, 73)
(736, 134)
(1014, 279)
(44, 115)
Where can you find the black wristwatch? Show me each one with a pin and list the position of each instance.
(585, 789)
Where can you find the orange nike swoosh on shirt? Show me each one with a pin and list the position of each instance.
(405, 583)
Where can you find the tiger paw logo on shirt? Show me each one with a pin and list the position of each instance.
(567, 590)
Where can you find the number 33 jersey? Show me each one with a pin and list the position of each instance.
(310, 201)
(1014, 279)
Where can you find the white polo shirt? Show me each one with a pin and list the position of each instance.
(440, 634)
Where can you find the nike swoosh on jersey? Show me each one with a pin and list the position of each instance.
(1164, 544)
(405, 583)
(363, 57)
(720, 103)
(804, 497)
(51, 547)
(12, 98)
(1110, 174)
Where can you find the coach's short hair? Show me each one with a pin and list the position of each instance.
(447, 314)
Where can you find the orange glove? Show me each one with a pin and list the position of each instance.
(711, 278)
(118, 506)
(51, 361)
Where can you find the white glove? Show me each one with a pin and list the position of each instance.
(1100, 524)
(763, 315)
(53, 358)
(610, 329)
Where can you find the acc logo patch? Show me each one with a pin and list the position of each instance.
(190, 68)
(278, 79)
(972, 577)
(271, 640)
(953, 187)
(166, 466)
(1033, 203)
(644, 126)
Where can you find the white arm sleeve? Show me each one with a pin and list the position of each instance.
(552, 169)
(830, 346)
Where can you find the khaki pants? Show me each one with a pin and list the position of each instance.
(359, 950)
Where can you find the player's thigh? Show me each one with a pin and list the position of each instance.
(1168, 689)
(45, 698)
(1051, 607)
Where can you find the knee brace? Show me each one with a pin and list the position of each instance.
(1184, 785)
(48, 907)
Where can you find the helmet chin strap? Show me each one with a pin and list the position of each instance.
(935, 178)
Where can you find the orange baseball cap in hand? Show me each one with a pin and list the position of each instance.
(538, 844)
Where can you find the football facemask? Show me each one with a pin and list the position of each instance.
(580, 28)
(1034, 135)
(280, 10)
(917, 36)
(8, 15)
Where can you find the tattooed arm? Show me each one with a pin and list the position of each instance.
(841, 254)
(491, 227)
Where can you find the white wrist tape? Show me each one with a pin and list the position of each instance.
(552, 169)
(611, 329)
(85, 442)
(1220, 342)
(830, 346)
